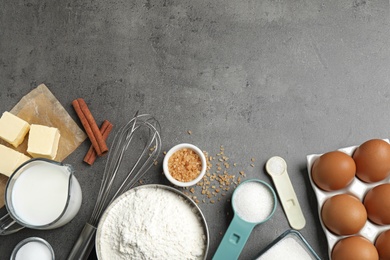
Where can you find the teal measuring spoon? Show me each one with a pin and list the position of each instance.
(254, 202)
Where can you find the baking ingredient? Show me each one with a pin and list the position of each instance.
(41, 107)
(253, 201)
(105, 130)
(39, 195)
(343, 214)
(184, 165)
(34, 250)
(90, 126)
(382, 244)
(377, 204)
(13, 129)
(10, 160)
(372, 160)
(151, 223)
(287, 248)
(354, 248)
(221, 176)
(43, 141)
(333, 171)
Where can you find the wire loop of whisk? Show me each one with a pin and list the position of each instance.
(140, 127)
(139, 124)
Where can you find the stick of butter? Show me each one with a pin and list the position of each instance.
(10, 160)
(13, 129)
(43, 141)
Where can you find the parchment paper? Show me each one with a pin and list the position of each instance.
(40, 106)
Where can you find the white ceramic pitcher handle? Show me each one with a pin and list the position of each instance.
(8, 225)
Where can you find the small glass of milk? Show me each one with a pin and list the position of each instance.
(33, 248)
(40, 194)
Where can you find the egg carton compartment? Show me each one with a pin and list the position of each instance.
(357, 188)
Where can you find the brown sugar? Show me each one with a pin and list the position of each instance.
(220, 179)
(185, 165)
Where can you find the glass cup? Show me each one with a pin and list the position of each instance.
(40, 194)
(33, 248)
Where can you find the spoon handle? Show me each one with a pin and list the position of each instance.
(277, 168)
(234, 239)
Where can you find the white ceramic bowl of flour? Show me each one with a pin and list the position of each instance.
(152, 222)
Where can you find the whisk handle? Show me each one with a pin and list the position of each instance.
(84, 244)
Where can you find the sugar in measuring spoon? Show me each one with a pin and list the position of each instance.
(254, 202)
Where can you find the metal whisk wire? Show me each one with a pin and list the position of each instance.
(143, 163)
(121, 143)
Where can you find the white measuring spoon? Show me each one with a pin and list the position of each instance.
(277, 168)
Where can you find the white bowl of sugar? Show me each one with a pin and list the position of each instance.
(184, 165)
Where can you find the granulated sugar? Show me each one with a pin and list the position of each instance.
(152, 223)
(287, 248)
(253, 201)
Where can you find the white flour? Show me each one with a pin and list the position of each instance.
(152, 223)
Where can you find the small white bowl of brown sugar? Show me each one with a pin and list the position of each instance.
(184, 165)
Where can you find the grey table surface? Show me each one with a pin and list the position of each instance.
(261, 78)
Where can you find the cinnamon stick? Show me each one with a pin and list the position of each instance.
(105, 130)
(90, 126)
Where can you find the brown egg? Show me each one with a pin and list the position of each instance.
(354, 248)
(343, 214)
(372, 160)
(382, 244)
(333, 171)
(377, 203)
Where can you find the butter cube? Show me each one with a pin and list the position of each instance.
(13, 129)
(43, 141)
(10, 160)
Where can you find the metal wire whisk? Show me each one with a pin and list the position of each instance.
(139, 126)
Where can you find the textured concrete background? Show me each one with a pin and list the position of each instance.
(262, 78)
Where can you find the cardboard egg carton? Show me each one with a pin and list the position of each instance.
(357, 188)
